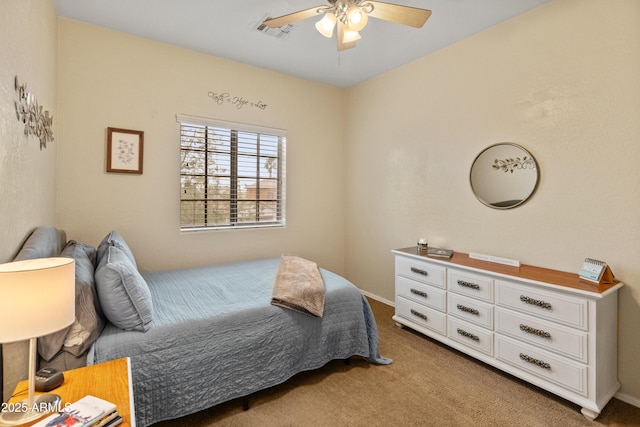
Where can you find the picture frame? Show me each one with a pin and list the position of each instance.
(125, 150)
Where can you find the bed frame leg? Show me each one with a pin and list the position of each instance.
(347, 361)
(245, 403)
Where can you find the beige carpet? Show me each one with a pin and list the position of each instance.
(428, 384)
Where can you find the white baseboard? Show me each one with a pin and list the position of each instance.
(377, 298)
(628, 399)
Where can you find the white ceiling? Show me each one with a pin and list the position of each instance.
(226, 28)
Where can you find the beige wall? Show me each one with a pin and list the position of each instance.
(110, 79)
(28, 49)
(563, 81)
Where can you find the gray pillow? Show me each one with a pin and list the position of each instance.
(89, 318)
(50, 345)
(114, 239)
(124, 295)
(89, 322)
(44, 242)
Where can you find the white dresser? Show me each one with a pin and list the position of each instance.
(547, 327)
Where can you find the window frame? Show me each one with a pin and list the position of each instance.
(234, 198)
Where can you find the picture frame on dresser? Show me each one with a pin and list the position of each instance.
(546, 327)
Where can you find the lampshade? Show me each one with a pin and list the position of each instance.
(326, 24)
(350, 36)
(356, 18)
(37, 297)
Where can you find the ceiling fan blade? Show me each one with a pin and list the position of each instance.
(407, 15)
(340, 36)
(291, 17)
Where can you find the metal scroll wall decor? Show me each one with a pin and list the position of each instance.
(36, 122)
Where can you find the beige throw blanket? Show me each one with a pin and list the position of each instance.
(299, 286)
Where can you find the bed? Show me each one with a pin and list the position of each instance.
(201, 336)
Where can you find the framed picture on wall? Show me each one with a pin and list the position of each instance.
(125, 149)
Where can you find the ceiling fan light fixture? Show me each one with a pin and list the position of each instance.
(326, 25)
(349, 17)
(350, 36)
(356, 18)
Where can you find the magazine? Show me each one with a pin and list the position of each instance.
(88, 411)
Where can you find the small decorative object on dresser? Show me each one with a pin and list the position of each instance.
(440, 253)
(547, 327)
(596, 271)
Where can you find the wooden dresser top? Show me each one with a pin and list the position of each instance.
(528, 272)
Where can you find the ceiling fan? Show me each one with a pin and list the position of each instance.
(350, 16)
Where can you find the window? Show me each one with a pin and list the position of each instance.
(231, 175)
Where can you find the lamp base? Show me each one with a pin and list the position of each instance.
(43, 404)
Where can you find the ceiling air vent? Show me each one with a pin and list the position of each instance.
(281, 33)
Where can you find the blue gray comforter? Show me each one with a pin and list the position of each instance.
(215, 336)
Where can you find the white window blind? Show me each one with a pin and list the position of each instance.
(231, 174)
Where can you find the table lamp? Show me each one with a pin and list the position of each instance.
(37, 297)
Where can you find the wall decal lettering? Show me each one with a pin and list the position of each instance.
(237, 101)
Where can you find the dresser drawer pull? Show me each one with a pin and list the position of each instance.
(468, 334)
(536, 362)
(534, 331)
(418, 271)
(468, 285)
(419, 293)
(418, 314)
(537, 302)
(468, 309)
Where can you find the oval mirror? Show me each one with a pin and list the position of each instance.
(504, 176)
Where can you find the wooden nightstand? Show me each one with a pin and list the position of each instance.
(110, 381)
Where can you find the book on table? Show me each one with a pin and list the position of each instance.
(90, 411)
(109, 420)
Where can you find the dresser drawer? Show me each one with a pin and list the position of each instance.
(555, 307)
(471, 310)
(421, 271)
(421, 315)
(551, 367)
(540, 333)
(473, 285)
(470, 335)
(419, 292)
